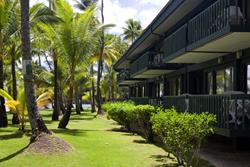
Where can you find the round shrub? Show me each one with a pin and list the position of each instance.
(182, 133)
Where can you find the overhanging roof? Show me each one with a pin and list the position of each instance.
(174, 11)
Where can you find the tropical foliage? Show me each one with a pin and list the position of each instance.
(65, 47)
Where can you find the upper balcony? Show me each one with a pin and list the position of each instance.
(175, 44)
(124, 79)
(220, 29)
(150, 65)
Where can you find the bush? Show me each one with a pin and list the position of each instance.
(144, 113)
(121, 112)
(182, 133)
(134, 118)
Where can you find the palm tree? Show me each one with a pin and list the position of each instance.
(132, 30)
(100, 64)
(73, 40)
(84, 4)
(37, 124)
(6, 8)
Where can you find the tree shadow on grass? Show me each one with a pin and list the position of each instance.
(118, 129)
(15, 135)
(141, 142)
(72, 132)
(163, 160)
(13, 154)
(82, 118)
(5, 130)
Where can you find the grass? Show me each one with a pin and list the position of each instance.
(96, 143)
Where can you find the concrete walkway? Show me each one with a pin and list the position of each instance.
(222, 153)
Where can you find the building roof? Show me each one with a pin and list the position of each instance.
(172, 12)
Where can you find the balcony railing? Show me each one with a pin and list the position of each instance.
(175, 42)
(140, 63)
(146, 100)
(232, 111)
(123, 75)
(140, 100)
(147, 60)
(215, 18)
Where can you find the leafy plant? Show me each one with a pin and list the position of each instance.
(19, 106)
(182, 133)
(143, 114)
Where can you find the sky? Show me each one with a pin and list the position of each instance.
(118, 11)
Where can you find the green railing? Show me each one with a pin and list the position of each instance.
(148, 60)
(140, 63)
(215, 18)
(140, 100)
(147, 100)
(178, 102)
(208, 24)
(232, 111)
(175, 42)
(123, 75)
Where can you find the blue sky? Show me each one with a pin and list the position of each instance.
(118, 11)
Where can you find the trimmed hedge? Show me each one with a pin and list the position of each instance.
(134, 118)
(181, 133)
(121, 112)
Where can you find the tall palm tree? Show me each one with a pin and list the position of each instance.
(132, 30)
(10, 45)
(100, 64)
(83, 5)
(5, 12)
(73, 40)
(37, 124)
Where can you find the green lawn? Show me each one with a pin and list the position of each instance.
(96, 144)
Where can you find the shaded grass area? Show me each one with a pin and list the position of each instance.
(97, 142)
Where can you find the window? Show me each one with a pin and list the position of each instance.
(161, 89)
(210, 83)
(248, 79)
(175, 86)
(224, 80)
(143, 91)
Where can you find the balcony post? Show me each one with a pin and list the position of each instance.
(240, 76)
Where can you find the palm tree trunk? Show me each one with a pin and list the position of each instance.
(80, 101)
(56, 109)
(15, 119)
(39, 60)
(37, 124)
(77, 103)
(100, 66)
(3, 115)
(112, 91)
(109, 90)
(92, 91)
(60, 99)
(66, 117)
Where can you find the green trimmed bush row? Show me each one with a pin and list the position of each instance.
(181, 133)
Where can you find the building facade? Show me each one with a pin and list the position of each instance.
(195, 56)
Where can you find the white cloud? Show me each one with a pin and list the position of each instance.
(142, 10)
(154, 2)
(118, 11)
(117, 14)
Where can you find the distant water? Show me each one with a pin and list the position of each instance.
(84, 106)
